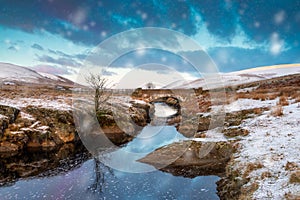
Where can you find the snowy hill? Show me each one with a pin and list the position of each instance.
(239, 77)
(13, 74)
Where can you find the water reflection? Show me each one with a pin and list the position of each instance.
(78, 183)
(151, 138)
(102, 172)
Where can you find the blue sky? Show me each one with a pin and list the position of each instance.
(56, 35)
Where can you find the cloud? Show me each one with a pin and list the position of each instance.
(60, 61)
(37, 46)
(91, 22)
(13, 48)
(59, 53)
(228, 29)
(80, 56)
(107, 73)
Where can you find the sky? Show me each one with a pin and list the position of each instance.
(57, 36)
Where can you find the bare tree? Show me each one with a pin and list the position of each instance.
(101, 92)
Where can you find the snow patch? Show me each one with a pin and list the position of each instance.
(246, 104)
(58, 104)
(272, 141)
(51, 76)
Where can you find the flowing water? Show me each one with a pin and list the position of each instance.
(94, 180)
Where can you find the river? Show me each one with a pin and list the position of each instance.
(92, 179)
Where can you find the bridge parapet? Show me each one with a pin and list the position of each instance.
(152, 94)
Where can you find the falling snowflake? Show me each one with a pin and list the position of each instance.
(279, 17)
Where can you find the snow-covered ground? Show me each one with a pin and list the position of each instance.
(238, 77)
(17, 73)
(245, 104)
(13, 73)
(59, 103)
(272, 142)
(51, 76)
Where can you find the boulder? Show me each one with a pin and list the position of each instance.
(191, 158)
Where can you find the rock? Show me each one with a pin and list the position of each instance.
(60, 123)
(196, 158)
(18, 138)
(116, 135)
(141, 113)
(236, 118)
(234, 132)
(4, 121)
(7, 147)
(172, 102)
(139, 116)
(9, 112)
(174, 120)
(204, 123)
(7, 116)
(188, 128)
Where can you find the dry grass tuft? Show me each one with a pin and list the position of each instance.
(247, 192)
(277, 111)
(290, 196)
(251, 167)
(295, 177)
(258, 95)
(283, 100)
(266, 174)
(290, 166)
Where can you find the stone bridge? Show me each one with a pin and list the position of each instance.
(155, 95)
(186, 101)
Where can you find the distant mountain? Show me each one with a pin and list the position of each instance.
(238, 77)
(13, 74)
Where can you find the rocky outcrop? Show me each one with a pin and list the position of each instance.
(54, 125)
(123, 123)
(141, 113)
(191, 158)
(34, 127)
(118, 124)
(200, 124)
